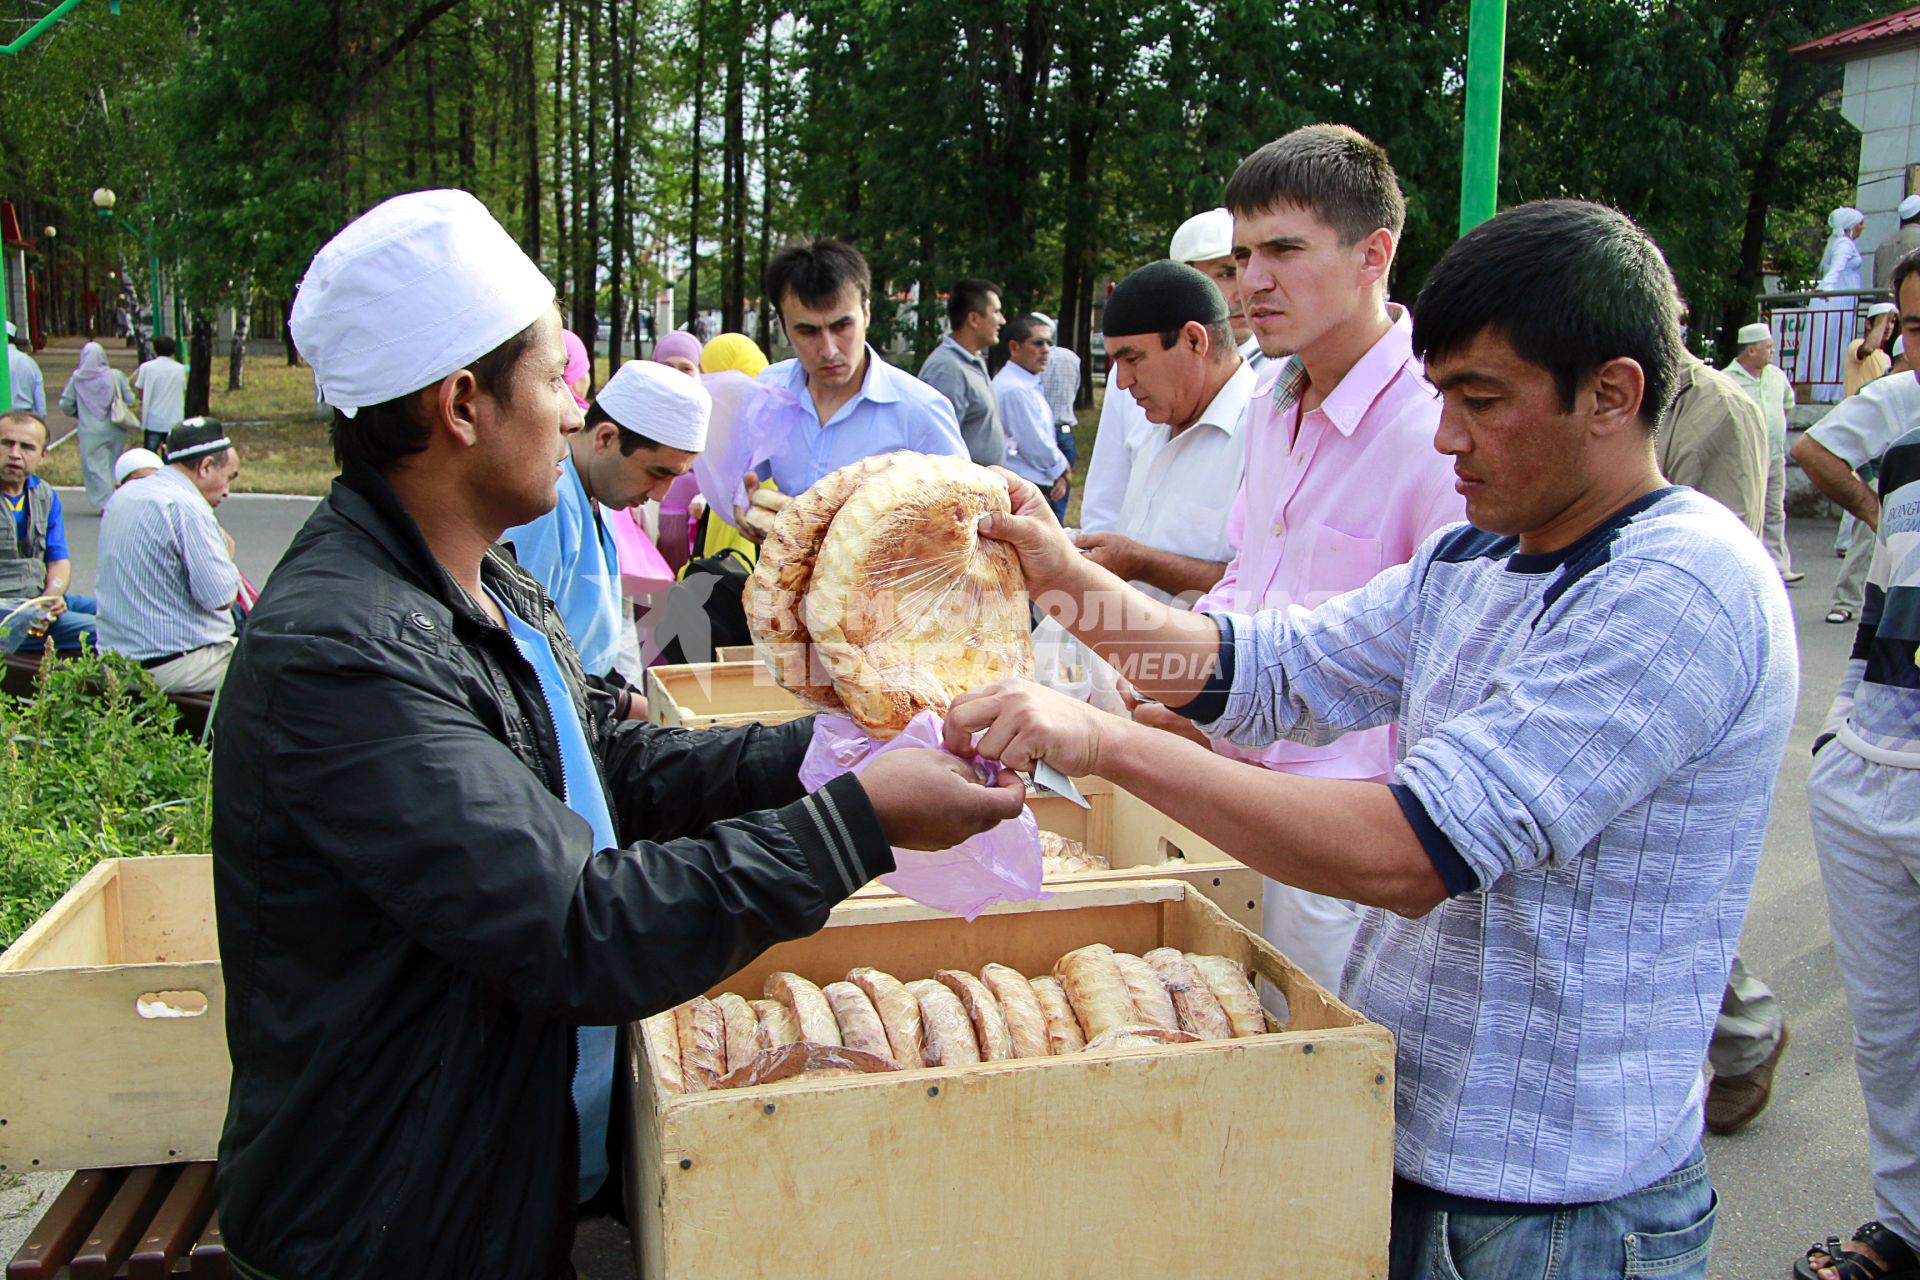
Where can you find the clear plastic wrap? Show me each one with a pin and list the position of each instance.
(801, 1058)
(749, 425)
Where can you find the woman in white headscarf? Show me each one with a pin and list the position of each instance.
(1840, 268)
(89, 396)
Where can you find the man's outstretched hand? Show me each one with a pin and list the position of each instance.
(930, 800)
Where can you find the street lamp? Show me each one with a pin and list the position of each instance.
(103, 202)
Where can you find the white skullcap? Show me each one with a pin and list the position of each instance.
(658, 402)
(133, 460)
(1043, 318)
(10, 332)
(1881, 309)
(1752, 333)
(413, 290)
(1910, 208)
(1203, 237)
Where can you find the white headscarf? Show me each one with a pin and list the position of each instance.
(92, 382)
(1840, 264)
(1844, 219)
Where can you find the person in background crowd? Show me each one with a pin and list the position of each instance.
(1866, 361)
(34, 561)
(1904, 240)
(957, 368)
(1593, 681)
(1840, 269)
(29, 386)
(579, 374)
(679, 350)
(135, 464)
(1205, 243)
(734, 352)
(1031, 452)
(1754, 371)
(90, 396)
(848, 403)
(1061, 385)
(167, 579)
(1860, 797)
(643, 431)
(1171, 444)
(162, 383)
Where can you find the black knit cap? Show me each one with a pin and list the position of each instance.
(196, 438)
(1159, 298)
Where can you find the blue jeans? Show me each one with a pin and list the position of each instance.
(69, 627)
(1664, 1229)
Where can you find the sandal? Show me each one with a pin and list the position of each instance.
(1837, 614)
(1897, 1257)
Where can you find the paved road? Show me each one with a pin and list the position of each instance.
(1798, 1172)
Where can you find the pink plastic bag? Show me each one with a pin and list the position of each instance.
(1001, 865)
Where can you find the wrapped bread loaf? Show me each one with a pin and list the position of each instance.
(908, 605)
(1193, 1002)
(1063, 1029)
(809, 1005)
(1230, 986)
(899, 1013)
(860, 1026)
(778, 1026)
(703, 1043)
(946, 1030)
(662, 1037)
(743, 1029)
(1139, 1036)
(989, 1027)
(1151, 1003)
(779, 582)
(1060, 856)
(1026, 1025)
(1095, 989)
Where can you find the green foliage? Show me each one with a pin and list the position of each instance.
(91, 768)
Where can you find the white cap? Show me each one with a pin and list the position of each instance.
(1881, 309)
(10, 330)
(1203, 237)
(1043, 318)
(413, 290)
(658, 402)
(1909, 208)
(1752, 333)
(133, 460)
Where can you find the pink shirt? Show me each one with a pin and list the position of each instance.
(1330, 499)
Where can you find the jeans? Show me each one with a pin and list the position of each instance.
(1064, 434)
(1664, 1229)
(68, 629)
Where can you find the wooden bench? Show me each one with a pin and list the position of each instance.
(20, 675)
(149, 1222)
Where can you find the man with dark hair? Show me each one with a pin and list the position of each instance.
(1593, 683)
(1031, 452)
(167, 578)
(643, 431)
(162, 384)
(436, 855)
(1170, 446)
(1342, 479)
(844, 402)
(957, 368)
(34, 562)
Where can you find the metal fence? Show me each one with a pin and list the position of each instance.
(1810, 335)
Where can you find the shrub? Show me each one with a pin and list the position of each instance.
(93, 767)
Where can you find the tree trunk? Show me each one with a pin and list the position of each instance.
(586, 300)
(1760, 198)
(734, 302)
(562, 151)
(286, 333)
(617, 216)
(200, 377)
(699, 122)
(242, 324)
(531, 126)
(765, 327)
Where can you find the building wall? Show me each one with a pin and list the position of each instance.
(1881, 98)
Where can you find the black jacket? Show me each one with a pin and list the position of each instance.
(412, 922)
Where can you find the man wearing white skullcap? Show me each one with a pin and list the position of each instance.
(443, 870)
(644, 429)
(1205, 243)
(1753, 368)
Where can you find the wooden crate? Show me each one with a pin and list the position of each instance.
(1141, 843)
(736, 653)
(88, 1075)
(1244, 1157)
(701, 695)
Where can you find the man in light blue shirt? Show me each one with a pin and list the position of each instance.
(29, 386)
(1025, 414)
(1593, 683)
(849, 404)
(644, 429)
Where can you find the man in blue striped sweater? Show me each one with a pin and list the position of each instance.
(1593, 683)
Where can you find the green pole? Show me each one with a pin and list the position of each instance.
(153, 266)
(1480, 150)
(6, 366)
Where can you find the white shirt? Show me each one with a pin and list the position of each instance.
(1250, 352)
(1859, 428)
(1028, 421)
(165, 579)
(163, 393)
(1171, 493)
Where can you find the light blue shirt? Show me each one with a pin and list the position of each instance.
(892, 410)
(165, 582)
(1028, 420)
(1590, 738)
(580, 779)
(572, 552)
(29, 387)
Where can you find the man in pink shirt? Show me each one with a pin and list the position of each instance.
(1342, 478)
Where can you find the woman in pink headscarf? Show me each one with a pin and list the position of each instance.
(89, 397)
(579, 374)
(679, 350)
